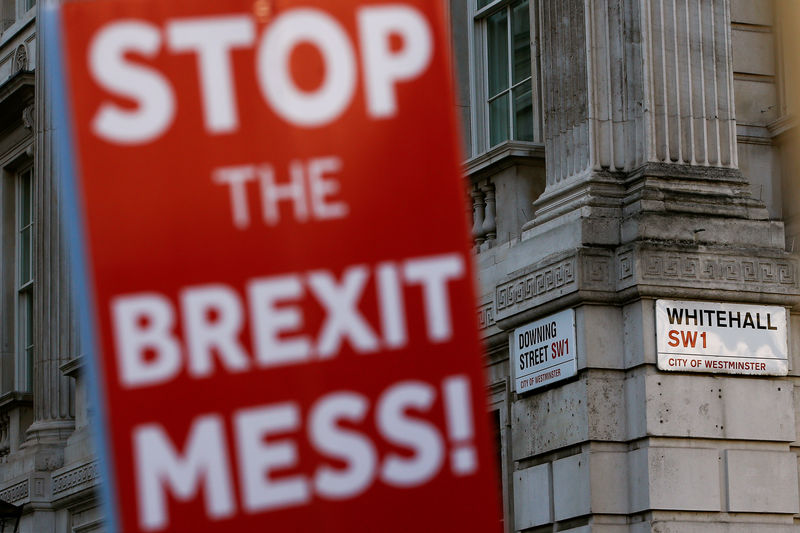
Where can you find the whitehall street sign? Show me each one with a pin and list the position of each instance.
(544, 352)
(280, 323)
(721, 338)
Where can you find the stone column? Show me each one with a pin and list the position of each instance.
(638, 99)
(56, 338)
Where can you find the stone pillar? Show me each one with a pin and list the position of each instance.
(55, 331)
(638, 99)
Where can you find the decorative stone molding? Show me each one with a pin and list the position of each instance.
(529, 289)
(707, 270)
(486, 315)
(15, 493)
(83, 475)
(5, 436)
(27, 117)
(604, 276)
(20, 59)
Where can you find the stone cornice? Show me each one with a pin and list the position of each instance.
(782, 125)
(649, 270)
(73, 367)
(503, 156)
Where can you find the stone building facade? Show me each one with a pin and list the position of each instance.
(655, 163)
(46, 462)
(618, 152)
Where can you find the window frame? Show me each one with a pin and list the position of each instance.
(23, 289)
(479, 81)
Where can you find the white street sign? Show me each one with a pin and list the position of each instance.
(544, 352)
(721, 338)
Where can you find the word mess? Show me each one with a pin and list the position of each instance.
(214, 40)
(163, 471)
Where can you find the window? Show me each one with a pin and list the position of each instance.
(13, 10)
(505, 74)
(24, 281)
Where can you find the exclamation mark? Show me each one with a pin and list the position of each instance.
(458, 410)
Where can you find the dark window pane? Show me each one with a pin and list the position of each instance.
(521, 41)
(497, 43)
(29, 369)
(25, 327)
(24, 200)
(523, 112)
(484, 3)
(7, 14)
(498, 120)
(25, 255)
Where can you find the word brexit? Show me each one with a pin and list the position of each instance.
(150, 353)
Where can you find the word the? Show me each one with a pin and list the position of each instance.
(308, 190)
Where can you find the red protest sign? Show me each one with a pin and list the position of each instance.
(276, 251)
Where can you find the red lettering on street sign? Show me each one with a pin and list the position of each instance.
(277, 278)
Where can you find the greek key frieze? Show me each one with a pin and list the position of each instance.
(486, 315)
(536, 283)
(696, 267)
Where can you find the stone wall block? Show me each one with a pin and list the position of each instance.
(571, 487)
(636, 403)
(759, 409)
(703, 525)
(683, 405)
(794, 344)
(598, 334)
(609, 482)
(684, 479)
(607, 418)
(638, 319)
(762, 482)
(533, 497)
(549, 420)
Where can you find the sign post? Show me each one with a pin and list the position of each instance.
(268, 226)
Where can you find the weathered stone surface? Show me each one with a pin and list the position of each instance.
(571, 487)
(533, 496)
(599, 342)
(549, 420)
(609, 482)
(682, 405)
(762, 482)
(675, 478)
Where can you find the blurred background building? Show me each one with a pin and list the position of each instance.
(617, 152)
